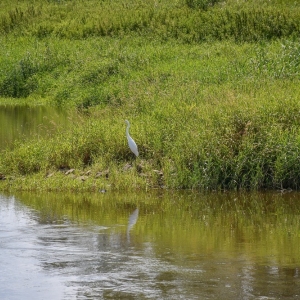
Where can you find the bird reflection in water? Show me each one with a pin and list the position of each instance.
(131, 222)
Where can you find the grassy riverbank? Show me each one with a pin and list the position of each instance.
(212, 93)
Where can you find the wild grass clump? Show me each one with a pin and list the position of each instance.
(245, 151)
(20, 81)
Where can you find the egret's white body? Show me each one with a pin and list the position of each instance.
(131, 143)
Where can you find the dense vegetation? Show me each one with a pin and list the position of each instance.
(211, 89)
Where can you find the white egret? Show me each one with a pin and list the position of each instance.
(131, 143)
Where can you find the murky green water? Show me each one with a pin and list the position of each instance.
(21, 122)
(150, 246)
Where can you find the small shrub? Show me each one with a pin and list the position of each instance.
(19, 81)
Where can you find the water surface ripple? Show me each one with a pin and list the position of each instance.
(145, 253)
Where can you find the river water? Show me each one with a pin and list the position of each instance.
(150, 246)
(23, 122)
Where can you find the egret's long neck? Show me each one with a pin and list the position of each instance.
(127, 130)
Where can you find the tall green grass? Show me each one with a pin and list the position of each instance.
(47, 42)
(188, 21)
(212, 93)
(231, 143)
(106, 71)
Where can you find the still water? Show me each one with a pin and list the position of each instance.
(23, 122)
(150, 246)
